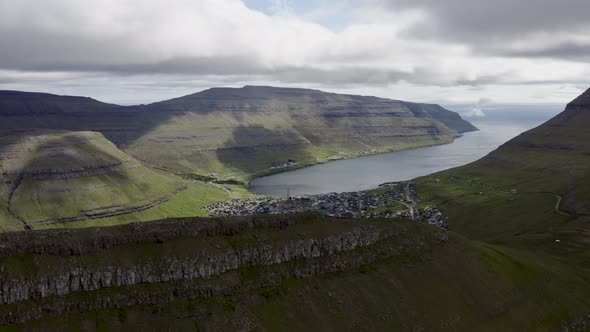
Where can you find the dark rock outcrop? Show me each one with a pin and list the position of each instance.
(78, 277)
(46, 271)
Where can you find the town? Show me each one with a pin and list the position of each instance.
(390, 200)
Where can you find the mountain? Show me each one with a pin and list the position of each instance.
(532, 192)
(27, 111)
(29, 103)
(57, 179)
(537, 181)
(241, 132)
(266, 98)
(245, 131)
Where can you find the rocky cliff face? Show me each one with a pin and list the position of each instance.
(38, 266)
(83, 278)
(298, 272)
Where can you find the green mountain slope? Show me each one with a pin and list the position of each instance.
(274, 273)
(56, 179)
(531, 192)
(239, 133)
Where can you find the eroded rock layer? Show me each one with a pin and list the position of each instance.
(42, 268)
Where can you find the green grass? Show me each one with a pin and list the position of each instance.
(509, 197)
(124, 189)
(187, 203)
(489, 206)
(393, 207)
(241, 133)
(263, 141)
(465, 286)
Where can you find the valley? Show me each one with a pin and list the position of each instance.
(103, 164)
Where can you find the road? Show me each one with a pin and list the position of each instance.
(410, 199)
(558, 204)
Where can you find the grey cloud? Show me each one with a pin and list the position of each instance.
(507, 18)
(340, 76)
(566, 50)
(135, 50)
(217, 65)
(379, 77)
(484, 79)
(489, 25)
(236, 69)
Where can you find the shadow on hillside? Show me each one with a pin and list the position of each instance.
(53, 162)
(21, 112)
(255, 148)
(11, 149)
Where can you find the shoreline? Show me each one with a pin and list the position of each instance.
(322, 162)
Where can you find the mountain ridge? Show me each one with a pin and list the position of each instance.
(581, 100)
(13, 102)
(271, 93)
(238, 133)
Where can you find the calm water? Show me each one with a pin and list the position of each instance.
(370, 171)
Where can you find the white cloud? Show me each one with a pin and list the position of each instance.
(475, 112)
(190, 44)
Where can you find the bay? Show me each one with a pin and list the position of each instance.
(368, 172)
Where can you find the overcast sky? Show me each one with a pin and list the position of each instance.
(451, 51)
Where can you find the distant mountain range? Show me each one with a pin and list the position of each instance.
(237, 132)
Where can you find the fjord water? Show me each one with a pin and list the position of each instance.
(369, 171)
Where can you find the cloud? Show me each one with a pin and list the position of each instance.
(418, 48)
(475, 112)
(526, 28)
(496, 20)
(572, 50)
(206, 37)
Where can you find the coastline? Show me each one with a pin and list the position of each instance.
(272, 172)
